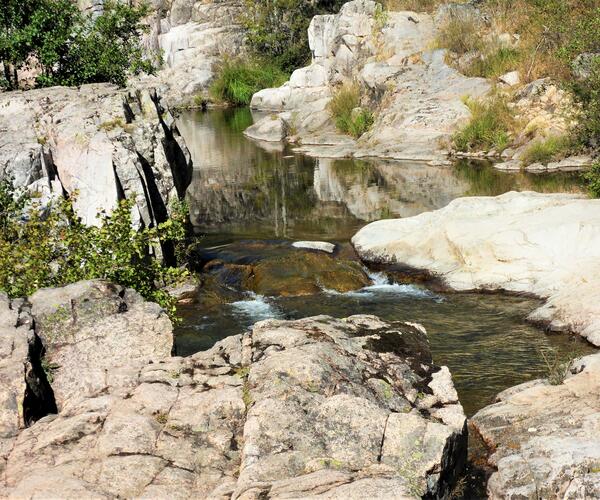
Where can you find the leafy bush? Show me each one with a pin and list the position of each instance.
(278, 29)
(71, 48)
(592, 179)
(238, 80)
(489, 127)
(345, 109)
(552, 148)
(53, 248)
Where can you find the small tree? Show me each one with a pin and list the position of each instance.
(71, 48)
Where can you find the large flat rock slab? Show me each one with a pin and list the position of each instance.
(547, 245)
(318, 407)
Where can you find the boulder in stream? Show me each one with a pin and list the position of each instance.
(547, 245)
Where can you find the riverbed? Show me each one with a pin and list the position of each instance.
(248, 201)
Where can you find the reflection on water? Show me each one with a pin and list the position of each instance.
(243, 190)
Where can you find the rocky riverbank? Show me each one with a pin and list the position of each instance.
(419, 97)
(542, 435)
(547, 245)
(97, 144)
(544, 438)
(317, 406)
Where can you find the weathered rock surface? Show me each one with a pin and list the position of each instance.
(542, 244)
(545, 437)
(419, 94)
(97, 141)
(192, 36)
(99, 329)
(314, 407)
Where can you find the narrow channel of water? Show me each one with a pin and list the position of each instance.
(248, 199)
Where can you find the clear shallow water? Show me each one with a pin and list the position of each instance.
(243, 192)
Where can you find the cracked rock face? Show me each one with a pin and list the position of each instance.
(420, 97)
(94, 333)
(96, 140)
(547, 245)
(545, 437)
(348, 408)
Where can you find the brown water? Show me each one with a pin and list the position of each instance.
(242, 192)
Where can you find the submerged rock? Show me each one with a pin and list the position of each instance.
(318, 406)
(306, 273)
(544, 438)
(547, 245)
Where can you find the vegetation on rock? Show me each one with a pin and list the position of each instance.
(66, 47)
(551, 149)
(489, 127)
(592, 178)
(43, 247)
(237, 80)
(345, 108)
(551, 38)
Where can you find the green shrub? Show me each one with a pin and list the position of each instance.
(496, 63)
(53, 248)
(345, 109)
(592, 179)
(238, 80)
(550, 149)
(489, 128)
(71, 48)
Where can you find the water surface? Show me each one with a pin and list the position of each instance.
(243, 191)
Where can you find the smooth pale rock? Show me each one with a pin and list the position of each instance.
(270, 129)
(542, 244)
(571, 164)
(510, 165)
(317, 406)
(395, 65)
(513, 78)
(322, 246)
(98, 141)
(545, 437)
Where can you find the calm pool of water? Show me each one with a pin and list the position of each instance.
(242, 190)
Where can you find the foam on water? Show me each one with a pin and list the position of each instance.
(382, 285)
(256, 307)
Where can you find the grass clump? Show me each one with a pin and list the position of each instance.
(460, 35)
(553, 148)
(557, 366)
(350, 118)
(496, 63)
(592, 179)
(489, 128)
(238, 80)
